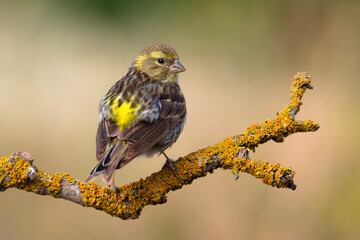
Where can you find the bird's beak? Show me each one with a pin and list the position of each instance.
(177, 67)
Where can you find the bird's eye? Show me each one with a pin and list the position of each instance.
(161, 60)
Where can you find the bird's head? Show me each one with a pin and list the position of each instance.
(159, 61)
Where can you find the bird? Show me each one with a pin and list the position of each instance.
(142, 114)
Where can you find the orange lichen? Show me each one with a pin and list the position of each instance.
(13, 174)
(13, 171)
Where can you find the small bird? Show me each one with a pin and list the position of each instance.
(142, 114)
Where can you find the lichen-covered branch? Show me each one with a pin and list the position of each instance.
(18, 171)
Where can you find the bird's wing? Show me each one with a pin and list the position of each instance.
(173, 109)
(126, 120)
(107, 130)
(108, 149)
(145, 135)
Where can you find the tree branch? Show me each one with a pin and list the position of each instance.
(18, 171)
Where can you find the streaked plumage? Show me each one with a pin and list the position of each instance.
(143, 113)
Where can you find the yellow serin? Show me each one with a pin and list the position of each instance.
(142, 113)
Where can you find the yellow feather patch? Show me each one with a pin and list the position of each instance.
(124, 114)
(157, 54)
(139, 62)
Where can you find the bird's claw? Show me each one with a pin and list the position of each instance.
(116, 189)
(169, 164)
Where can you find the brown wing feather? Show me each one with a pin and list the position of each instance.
(112, 161)
(141, 138)
(111, 128)
(101, 141)
(172, 109)
(107, 129)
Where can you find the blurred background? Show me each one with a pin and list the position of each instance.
(58, 58)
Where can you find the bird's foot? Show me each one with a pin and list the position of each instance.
(169, 164)
(116, 189)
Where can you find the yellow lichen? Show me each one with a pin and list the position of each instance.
(13, 171)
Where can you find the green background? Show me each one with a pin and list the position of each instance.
(58, 58)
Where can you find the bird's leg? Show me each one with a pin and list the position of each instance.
(169, 163)
(112, 185)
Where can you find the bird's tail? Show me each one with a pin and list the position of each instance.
(101, 167)
(108, 165)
